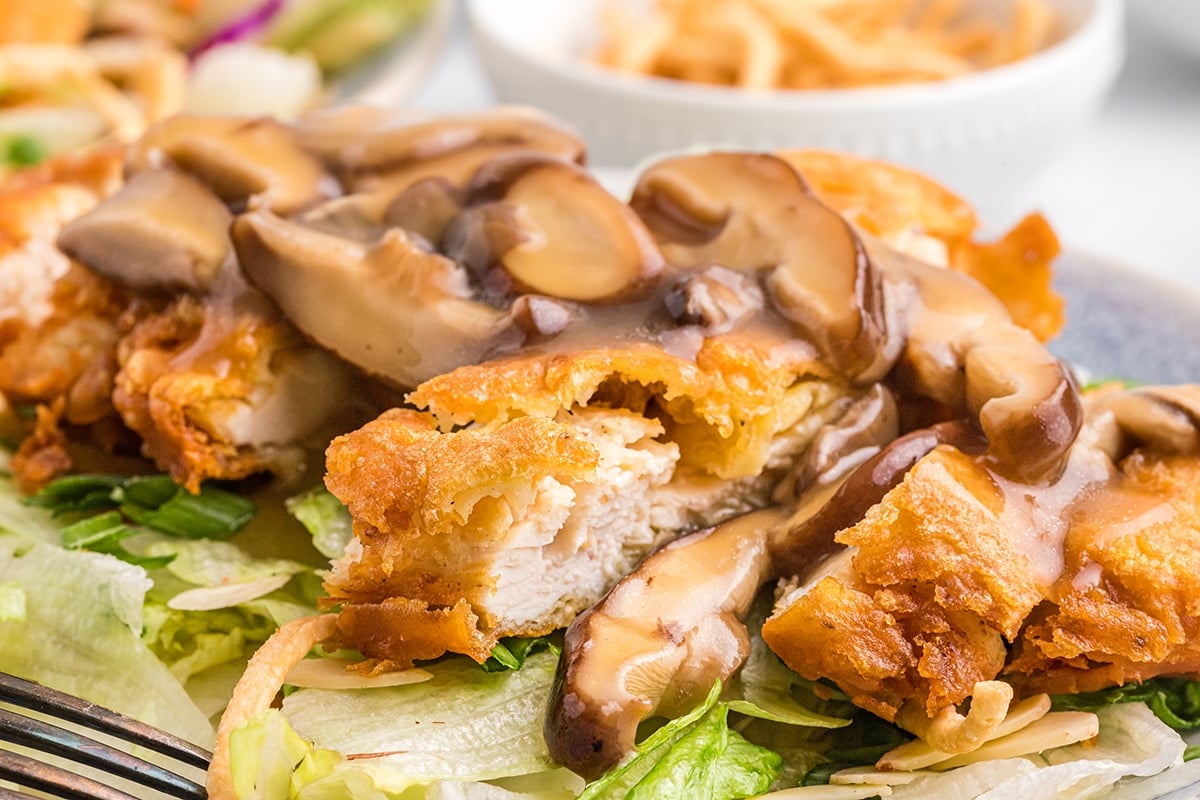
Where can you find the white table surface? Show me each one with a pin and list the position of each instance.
(1128, 190)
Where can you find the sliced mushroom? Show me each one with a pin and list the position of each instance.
(1164, 418)
(426, 208)
(660, 639)
(657, 642)
(555, 231)
(162, 230)
(753, 212)
(809, 538)
(869, 421)
(714, 299)
(392, 309)
(254, 162)
(962, 349)
(378, 150)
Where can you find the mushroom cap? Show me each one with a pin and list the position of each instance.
(247, 162)
(163, 230)
(392, 308)
(556, 231)
(753, 212)
(371, 149)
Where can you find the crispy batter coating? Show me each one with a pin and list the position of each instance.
(570, 468)
(1128, 605)
(905, 208)
(464, 537)
(723, 409)
(224, 387)
(954, 580)
(58, 321)
(934, 584)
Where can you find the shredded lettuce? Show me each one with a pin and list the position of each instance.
(323, 516)
(1175, 701)
(441, 738)
(95, 619)
(694, 756)
(81, 634)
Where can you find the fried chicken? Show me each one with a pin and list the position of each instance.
(579, 466)
(213, 386)
(959, 577)
(222, 387)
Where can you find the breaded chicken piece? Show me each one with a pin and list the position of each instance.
(223, 387)
(216, 387)
(918, 216)
(919, 606)
(959, 577)
(579, 466)
(1128, 605)
(58, 321)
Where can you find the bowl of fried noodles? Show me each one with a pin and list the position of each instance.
(978, 94)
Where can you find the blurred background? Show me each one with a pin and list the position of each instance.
(1082, 109)
(1122, 189)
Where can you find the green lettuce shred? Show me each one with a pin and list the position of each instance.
(1175, 701)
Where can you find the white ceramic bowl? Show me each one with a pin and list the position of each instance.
(985, 135)
(1174, 21)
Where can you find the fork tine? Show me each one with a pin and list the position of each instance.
(48, 738)
(56, 704)
(53, 780)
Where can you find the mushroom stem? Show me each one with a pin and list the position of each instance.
(1164, 418)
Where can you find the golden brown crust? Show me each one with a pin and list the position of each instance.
(421, 498)
(58, 324)
(936, 582)
(1140, 617)
(1017, 268)
(400, 631)
(942, 577)
(883, 198)
(723, 409)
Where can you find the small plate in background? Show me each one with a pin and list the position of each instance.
(395, 74)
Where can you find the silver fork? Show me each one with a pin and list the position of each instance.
(44, 738)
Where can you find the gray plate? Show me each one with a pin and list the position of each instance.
(1124, 325)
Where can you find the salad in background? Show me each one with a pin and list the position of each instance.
(77, 72)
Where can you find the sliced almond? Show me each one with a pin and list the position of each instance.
(332, 673)
(875, 777)
(210, 598)
(919, 754)
(1057, 729)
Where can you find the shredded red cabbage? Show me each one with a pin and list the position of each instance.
(240, 28)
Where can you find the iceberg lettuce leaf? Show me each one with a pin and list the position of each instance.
(81, 634)
(464, 724)
(325, 518)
